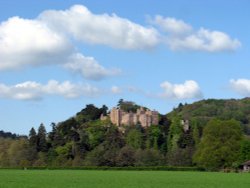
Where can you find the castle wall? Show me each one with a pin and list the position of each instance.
(127, 119)
(145, 118)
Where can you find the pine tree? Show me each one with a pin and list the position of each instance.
(41, 139)
(33, 137)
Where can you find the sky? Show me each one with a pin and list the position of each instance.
(57, 56)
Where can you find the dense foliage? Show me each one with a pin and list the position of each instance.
(220, 144)
(202, 111)
(216, 137)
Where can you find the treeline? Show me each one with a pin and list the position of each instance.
(85, 140)
(10, 135)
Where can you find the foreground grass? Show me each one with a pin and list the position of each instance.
(120, 179)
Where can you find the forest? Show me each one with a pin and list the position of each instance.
(217, 138)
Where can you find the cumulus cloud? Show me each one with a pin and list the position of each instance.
(34, 91)
(52, 36)
(23, 91)
(89, 68)
(204, 40)
(30, 42)
(25, 42)
(104, 29)
(172, 25)
(241, 86)
(182, 36)
(188, 90)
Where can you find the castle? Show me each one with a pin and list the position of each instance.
(144, 117)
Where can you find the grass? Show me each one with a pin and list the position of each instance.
(120, 179)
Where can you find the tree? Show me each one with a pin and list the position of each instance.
(33, 144)
(245, 151)
(33, 137)
(5, 144)
(90, 113)
(153, 135)
(220, 144)
(148, 157)
(127, 106)
(41, 139)
(95, 135)
(162, 140)
(134, 139)
(120, 102)
(20, 153)
(180, 157)
(52, 134)
(195, 132)
(64, 153)
(104, 110)
(175, 132)
(70, 127)
(95, 157)
(126, 157)
(7, 135)
(112, 144)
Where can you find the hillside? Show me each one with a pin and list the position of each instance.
(203, 111)
(209, 133)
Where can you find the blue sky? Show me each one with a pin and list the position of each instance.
(58, 56)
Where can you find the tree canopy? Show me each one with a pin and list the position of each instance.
(220, 144)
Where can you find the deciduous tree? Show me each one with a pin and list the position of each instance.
(220, 144)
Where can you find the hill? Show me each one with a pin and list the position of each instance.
(203, 111)
(184, 137)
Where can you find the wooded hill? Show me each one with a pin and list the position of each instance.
(202, 111)
(217, 137)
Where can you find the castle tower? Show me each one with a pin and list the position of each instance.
(115, 116)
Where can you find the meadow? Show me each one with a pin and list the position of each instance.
(120, 179)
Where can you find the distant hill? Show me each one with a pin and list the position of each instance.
(205, 110)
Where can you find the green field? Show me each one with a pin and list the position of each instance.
(120, 179)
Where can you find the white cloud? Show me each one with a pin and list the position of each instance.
(23, 91)
(188, 90)
(89, 68)
(103, 29)
(48, 39)
(33, 91)
(181, 36)
(30, 42)
(241, 86)
(26, 43)
(204, 40)
(116, 90)
(172, 25)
